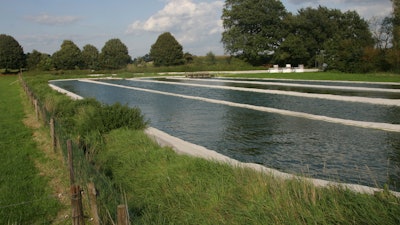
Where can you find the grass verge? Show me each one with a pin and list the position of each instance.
(165, 188)
(25, 197)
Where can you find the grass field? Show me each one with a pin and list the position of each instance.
(25, 197)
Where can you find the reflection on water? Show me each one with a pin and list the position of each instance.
(294, 145)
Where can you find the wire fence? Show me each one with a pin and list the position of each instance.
(85, 172)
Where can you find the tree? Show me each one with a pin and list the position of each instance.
(167, 51)
(188, 57)
(38, 61)
(253, 28)
(382, 31)
(90, 57)
(68, 57)
(319, 36)
(11, 53)
(33, 59)
(396, 23)
(395, 53)
(210, 58)
(292, 50)
(114, 55)
(346, 49)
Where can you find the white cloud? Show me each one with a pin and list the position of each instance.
(188, 20)
(47, 19)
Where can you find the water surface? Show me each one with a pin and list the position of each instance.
(295, 145)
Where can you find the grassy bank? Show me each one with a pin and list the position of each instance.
(165, 188)
(162, 187)
(25, 197)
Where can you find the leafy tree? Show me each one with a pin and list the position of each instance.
(314, 27)
(321, 35)
(90, 57)
(114, 55)
(346, 49)
(39, 61)
(396, 23)
(210, 58)
(167, 51)
(253, 28)
(292, 50)
(147, 58)
(382, 33)
(46, 63)
(68, 57)
(395, 53)
(33, 59)
(11, 53)
(188, 57)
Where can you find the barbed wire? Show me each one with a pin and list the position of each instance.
(57, 196)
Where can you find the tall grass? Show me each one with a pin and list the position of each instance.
(24, 195)
(165, 188)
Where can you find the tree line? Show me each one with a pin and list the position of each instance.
(114, 55)
(260, 32)
(166, 51)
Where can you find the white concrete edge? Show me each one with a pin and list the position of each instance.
(68, 93)
(181, 74)
(318, 86)
(183, 147)
(344, 98)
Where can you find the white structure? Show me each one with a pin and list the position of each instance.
(275, 69)
(287, 69)
(299, 69)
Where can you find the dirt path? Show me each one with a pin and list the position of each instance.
(52, 166)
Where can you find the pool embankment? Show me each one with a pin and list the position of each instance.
(183, 147)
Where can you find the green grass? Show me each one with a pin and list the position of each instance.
(165, 188)
(24, 195)
(336, 76)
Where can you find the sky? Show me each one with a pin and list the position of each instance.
(42, 25)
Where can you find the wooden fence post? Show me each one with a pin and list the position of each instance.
(93, 203)
(35, 103)
(122, 215)
(70, 162)
(53, 134)
(76, 204)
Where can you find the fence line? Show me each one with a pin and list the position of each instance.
(78, 174)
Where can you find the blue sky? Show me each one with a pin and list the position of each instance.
(196, 24)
